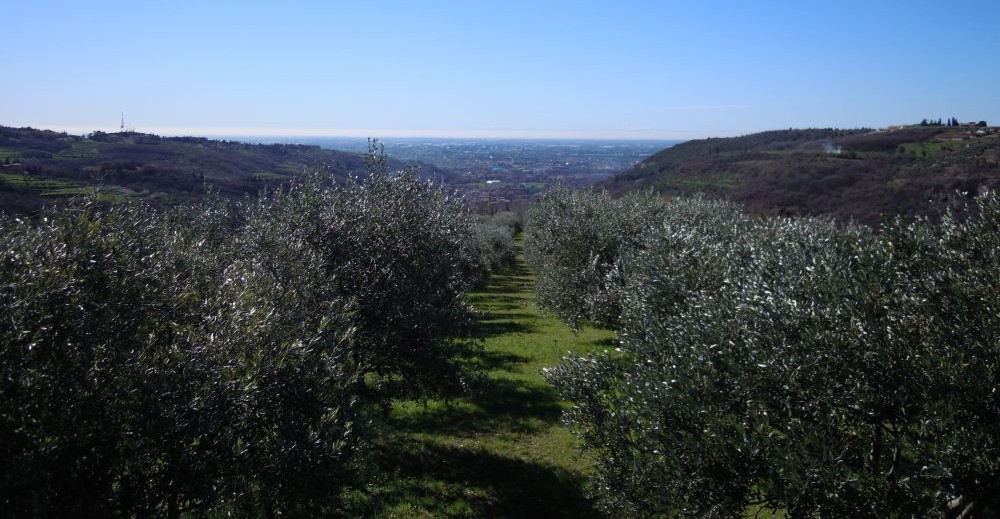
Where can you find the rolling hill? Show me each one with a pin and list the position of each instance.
(40, 166)
(848, 174)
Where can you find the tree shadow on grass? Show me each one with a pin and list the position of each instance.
(496, 361)
(484, 483)
(429, 462)
(488, 329)
(507, 316)
(607, 342)
(514, 281)
(511, 306)
(494, 300)
(495, 405)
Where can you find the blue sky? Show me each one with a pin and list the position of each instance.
(612, 69)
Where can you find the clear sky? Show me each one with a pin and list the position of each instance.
(511, 68)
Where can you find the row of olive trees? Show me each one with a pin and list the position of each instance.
(223, 358)
(790, 364)
(493, 240)
(574, 239)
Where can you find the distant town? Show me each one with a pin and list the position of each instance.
(501, 174)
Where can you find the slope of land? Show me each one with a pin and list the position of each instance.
(40, 166)
(501, 451)
(508, 174)
(848, 174)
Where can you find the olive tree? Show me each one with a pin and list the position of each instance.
(492, 242)
(151, 370)
(798, 365)
(219, 358)
(573, 239)
(401, 250)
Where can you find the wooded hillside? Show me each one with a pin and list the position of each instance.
(40, 166)
(848, 174)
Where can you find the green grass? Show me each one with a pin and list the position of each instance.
(500, 451)
(80, 150)
(72, 191)
(53, 188)
(45, 185)
(290, 168)
(929, 149)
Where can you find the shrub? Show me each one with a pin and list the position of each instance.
(145, 372)
(493, 243)
(400, 249)
(219, 358)
(573, 239)
(800, 366)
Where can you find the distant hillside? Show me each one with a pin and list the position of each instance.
(849, 174)
(40, 166)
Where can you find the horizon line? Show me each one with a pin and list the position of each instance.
(243, 131)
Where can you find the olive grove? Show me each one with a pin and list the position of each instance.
(223, 358)
(785, 364)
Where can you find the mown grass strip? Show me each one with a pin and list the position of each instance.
(500, 451)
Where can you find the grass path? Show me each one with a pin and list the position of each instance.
(501, 451)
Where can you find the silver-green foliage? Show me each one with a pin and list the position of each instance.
(218, 358)
(573, 239)
(150, 367)
(798, 365)
(493, 243)
(401, 249)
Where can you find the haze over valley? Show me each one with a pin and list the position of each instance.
(583, 259)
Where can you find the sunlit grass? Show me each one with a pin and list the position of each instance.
(52, 188)
(84, 149)
(31, 182)
(500, 451)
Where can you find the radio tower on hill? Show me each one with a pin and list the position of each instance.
(123, 122)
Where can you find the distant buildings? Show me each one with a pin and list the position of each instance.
(953, 133)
